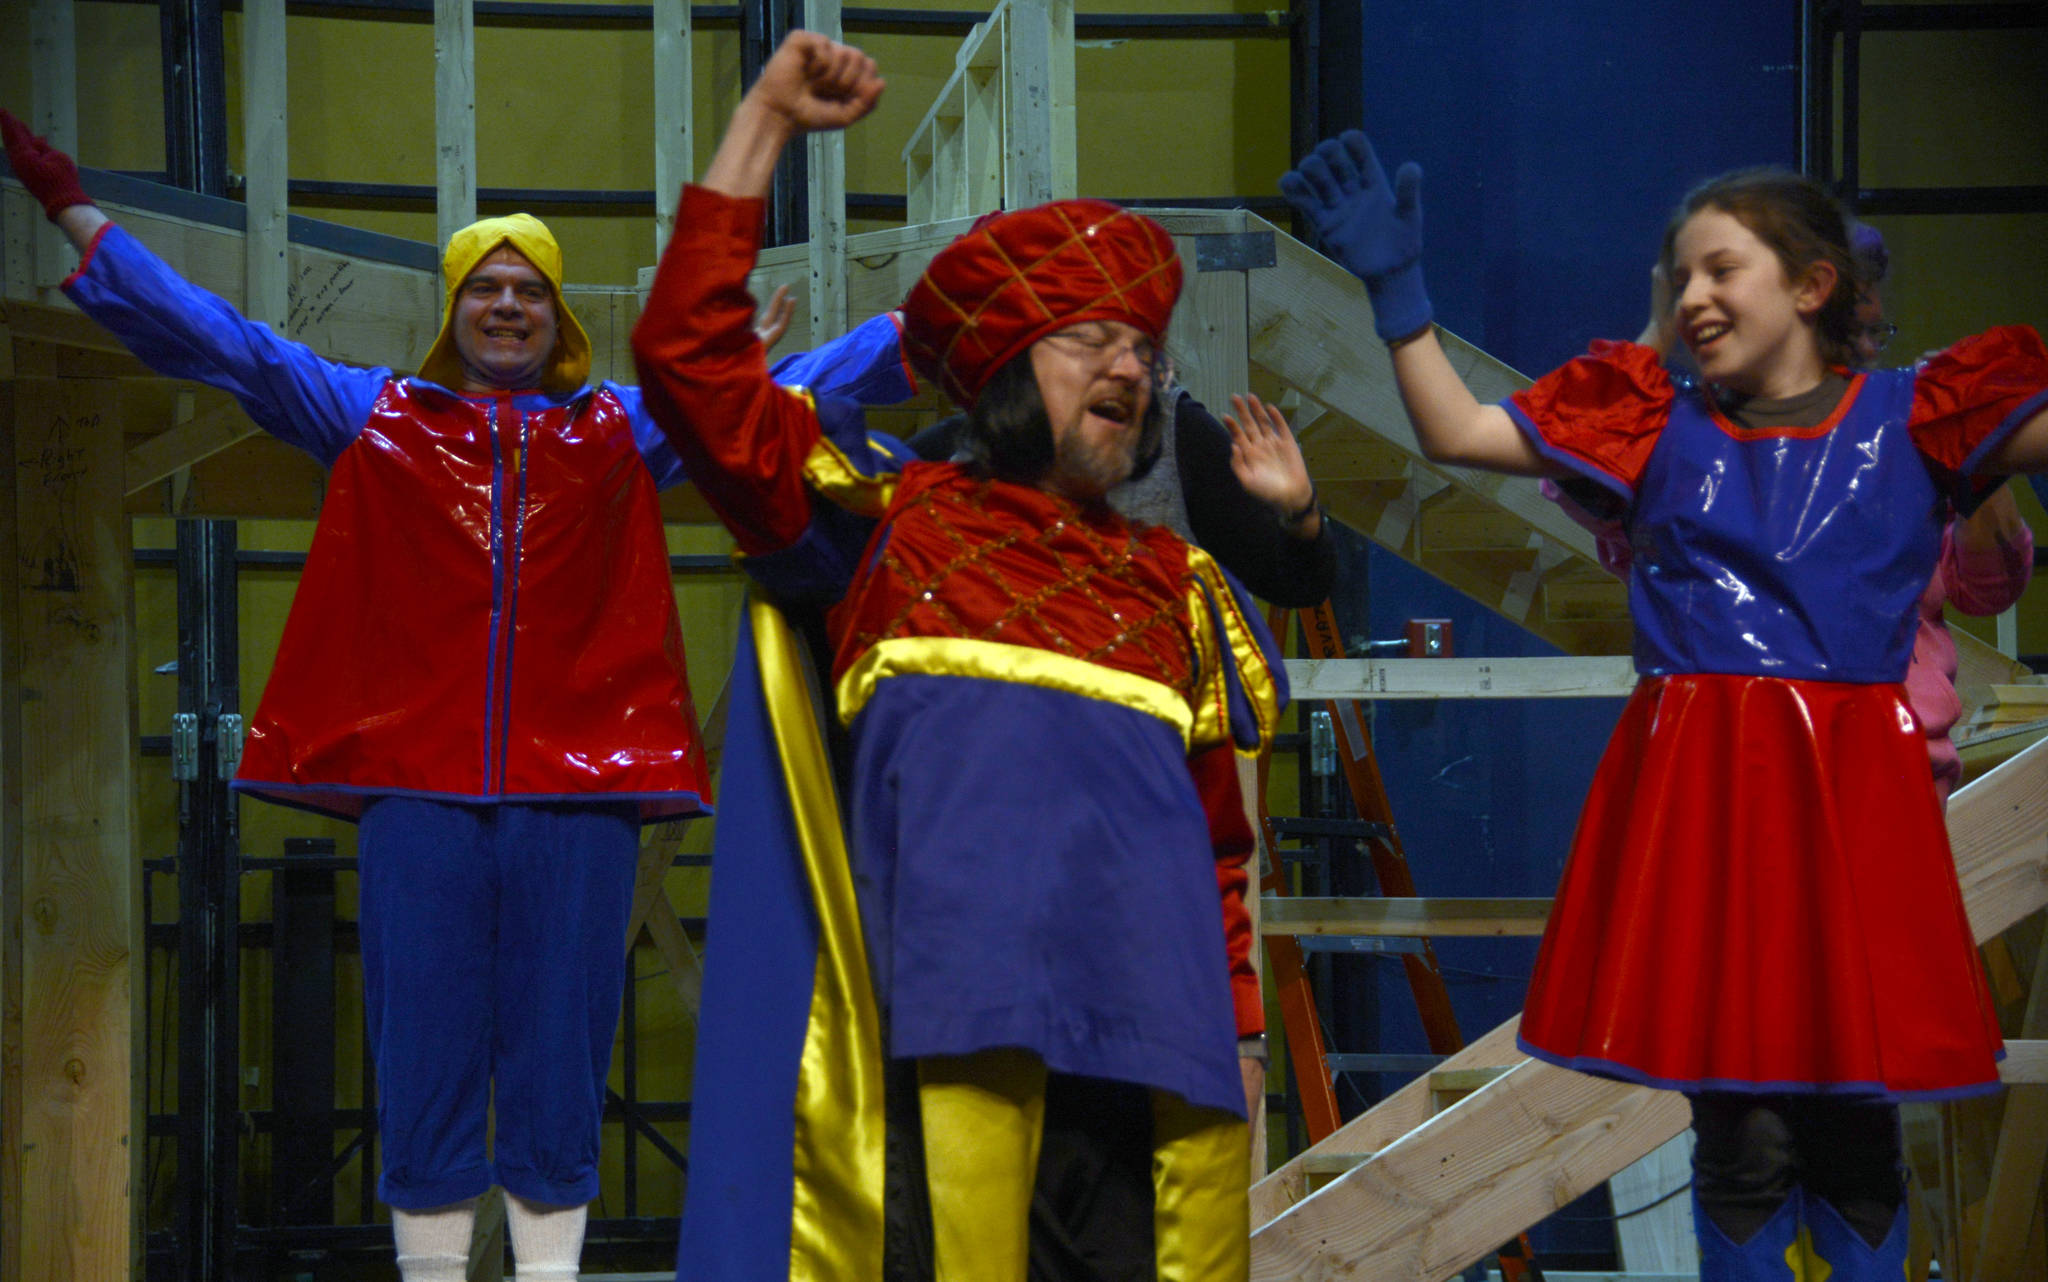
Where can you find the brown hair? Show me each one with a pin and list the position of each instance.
(1802, 223)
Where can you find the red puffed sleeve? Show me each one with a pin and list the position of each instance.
(742, 439)
(1968, 399)
(1599, 415)
(1230, 833)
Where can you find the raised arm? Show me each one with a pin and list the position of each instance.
(1374, 229)
(811, 84)
(182, 331)
(704, 373)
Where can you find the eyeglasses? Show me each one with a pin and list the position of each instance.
(1877, 335)
(1099, 345)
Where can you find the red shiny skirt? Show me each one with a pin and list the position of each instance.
(1761, 897)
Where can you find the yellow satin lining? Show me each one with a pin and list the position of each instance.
(1201, 1201)
(1255, 675)
(836, 1209)
(1016, 664)
(983, 1115)
(834, 476)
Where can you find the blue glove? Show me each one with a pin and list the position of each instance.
(1372, 229)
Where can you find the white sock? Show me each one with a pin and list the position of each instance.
(547, 1241)
(433, 1245)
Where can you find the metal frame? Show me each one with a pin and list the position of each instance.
(1822, 24)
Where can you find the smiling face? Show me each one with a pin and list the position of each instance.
(504, 324)
(1096, 381)
(1750, 329)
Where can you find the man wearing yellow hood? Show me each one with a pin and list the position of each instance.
(483, 667)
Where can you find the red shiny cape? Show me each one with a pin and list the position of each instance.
(1761, 897)
(486, 614)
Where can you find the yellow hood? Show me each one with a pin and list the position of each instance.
(568, 368)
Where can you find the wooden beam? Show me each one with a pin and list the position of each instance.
(1208, 338)
(2013, 1199)
(196, 439)
(80, 1103)
(265, 160)
(685, 972)
(53, 113)
(1541, 677)
(454, 117)
(674, 161)
(1658, 1236)
(1411, 918)
(1038, 71)
(1383, 1124)
(61, 325)
(1434, 1201)
(2026, 1061)
(826, 156)
(1998, 826)
(12, 922)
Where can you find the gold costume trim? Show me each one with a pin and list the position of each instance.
(836, 1205)
(832, 475)
(1254, 671)
(1016, 664)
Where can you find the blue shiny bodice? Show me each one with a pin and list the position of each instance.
(1785, 552)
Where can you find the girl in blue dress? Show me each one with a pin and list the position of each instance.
(1760, 908)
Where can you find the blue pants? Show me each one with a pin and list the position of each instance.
(494, 952)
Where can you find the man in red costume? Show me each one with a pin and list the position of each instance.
(1018, 978)
(483, 667)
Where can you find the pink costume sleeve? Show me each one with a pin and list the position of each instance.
(1986, 580)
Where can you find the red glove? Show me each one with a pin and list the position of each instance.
(50, 175)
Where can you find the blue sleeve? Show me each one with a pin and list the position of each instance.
(866, 365)
(661, 457)
(182, 331)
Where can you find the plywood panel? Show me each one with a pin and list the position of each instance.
(79, 884)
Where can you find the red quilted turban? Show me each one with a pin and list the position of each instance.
(1014, 278)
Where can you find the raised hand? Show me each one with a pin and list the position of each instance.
(50, 175)
(1266, 460)
(772, 321)
(815, 83)
(1372, 228)
(810, 84)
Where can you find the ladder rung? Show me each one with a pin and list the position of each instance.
(1358, 828)
(1382, 1063)
(1289, 915)
(1360, 944)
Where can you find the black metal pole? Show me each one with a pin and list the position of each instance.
(209, 904)
(195, 96)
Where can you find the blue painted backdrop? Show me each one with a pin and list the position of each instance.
(1555, 139)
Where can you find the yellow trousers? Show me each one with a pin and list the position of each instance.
(983, 1115)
